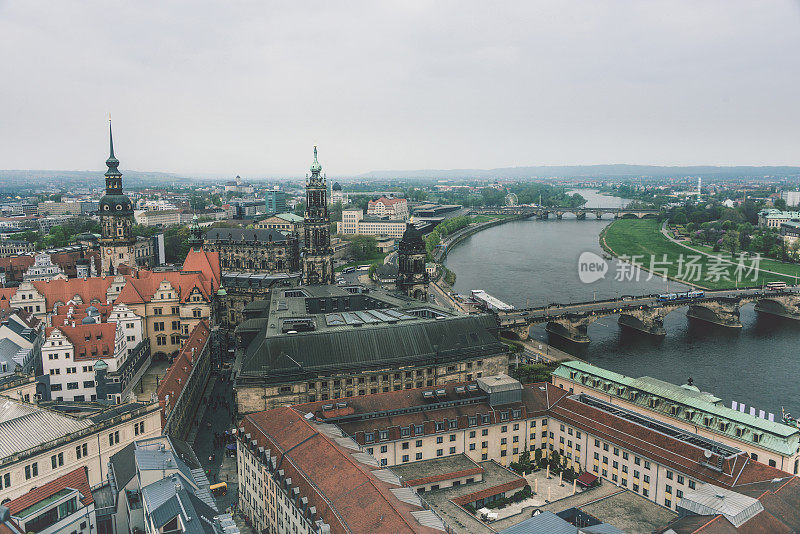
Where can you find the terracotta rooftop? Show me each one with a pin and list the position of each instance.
(89, 289)
(389, 412)
(178, 373)
(205, 262)
(77, 479)
(386, 201)
(91, 341)
(142, 286)
(317, 466)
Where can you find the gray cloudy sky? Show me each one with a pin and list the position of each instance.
(249, 87)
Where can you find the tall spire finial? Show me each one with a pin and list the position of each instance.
(316, 168)
(112, 162)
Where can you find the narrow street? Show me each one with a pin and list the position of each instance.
(210, 443)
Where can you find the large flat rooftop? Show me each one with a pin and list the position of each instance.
(461, 521)
(435, 468)
(314, 330)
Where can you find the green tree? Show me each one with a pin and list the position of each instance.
(779, 204)
(176, 243)
(363, 247)
(530, 373)
(731, 241)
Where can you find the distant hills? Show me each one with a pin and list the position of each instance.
(595, 171)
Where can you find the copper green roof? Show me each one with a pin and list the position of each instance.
(691, 405)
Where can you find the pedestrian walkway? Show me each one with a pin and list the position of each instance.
(201, 410)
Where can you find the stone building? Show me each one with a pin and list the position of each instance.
(497, 418)
(412, 278)
(40, 443)
(15, 247)
(116, 218)
(317, 251)
(326, 342)
(285, 222)
(265, 251)
(393, 208)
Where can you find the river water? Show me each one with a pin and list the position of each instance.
(533, 263)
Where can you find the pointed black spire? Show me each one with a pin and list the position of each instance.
(112, 162)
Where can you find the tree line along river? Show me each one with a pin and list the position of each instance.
(535, 262)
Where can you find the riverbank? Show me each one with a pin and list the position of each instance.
(460, 235)
(642, 242)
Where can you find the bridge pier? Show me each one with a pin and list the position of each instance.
(786, 306)
(647, 321)
(559, 215)
(544, 215)
(723, 312)
(598, 214)
(575, 331)
(581, 215)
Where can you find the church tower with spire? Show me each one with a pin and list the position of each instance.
(317, 251)
(116, 218)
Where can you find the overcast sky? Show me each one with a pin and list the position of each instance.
(249, 87)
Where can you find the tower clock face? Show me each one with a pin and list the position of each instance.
(109, 251)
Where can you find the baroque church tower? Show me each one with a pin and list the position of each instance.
(412, 278)
(116, 217)
(317, 251)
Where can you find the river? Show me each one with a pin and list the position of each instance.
(533, 263)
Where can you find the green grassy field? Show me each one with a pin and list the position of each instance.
(643, 238)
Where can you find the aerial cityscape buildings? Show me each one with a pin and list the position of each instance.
(467, 322)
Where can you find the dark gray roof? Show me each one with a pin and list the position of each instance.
(245, 235)
(447, 339)
(544, 523)
(123, 465)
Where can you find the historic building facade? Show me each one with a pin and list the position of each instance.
(116, 217)
(317, 252)
(264, 251)
(412, 278)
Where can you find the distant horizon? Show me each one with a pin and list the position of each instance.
(488, 173)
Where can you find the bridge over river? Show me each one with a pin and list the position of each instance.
(541, 212)
(646, 313)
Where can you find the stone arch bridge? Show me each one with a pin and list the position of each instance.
(580, 213)
(646, 313)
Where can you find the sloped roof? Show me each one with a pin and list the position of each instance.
(777, 437)
(387, 201)
(90, 341)
(317, 465)
(450, 338)
(242, 235)
(64, 290)
(178, 373)
(25, 426)
(142, 287)
(76, 480)
(207, 263)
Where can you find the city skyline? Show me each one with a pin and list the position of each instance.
(400, 86)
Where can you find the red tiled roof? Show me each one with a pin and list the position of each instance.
(586, 479)
(547, 399)
(207, 263)
(671, 452)
(79, 313)
(386, 201)
(100, 342)
(77, 479)
(490, 492)
(178, 373)
(63, 291)
(141, 286)
(317, 466)
(5, 296)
